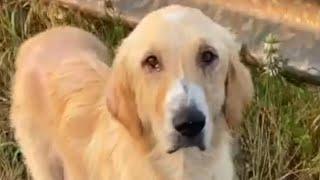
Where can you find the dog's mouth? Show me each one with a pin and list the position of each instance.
(181, 142)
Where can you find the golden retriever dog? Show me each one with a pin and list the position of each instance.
(164, 111)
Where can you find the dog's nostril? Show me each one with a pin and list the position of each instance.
(189, 122)
(190, 129)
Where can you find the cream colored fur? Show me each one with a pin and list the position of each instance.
(76, 119)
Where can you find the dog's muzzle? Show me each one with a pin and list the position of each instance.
(188, 123)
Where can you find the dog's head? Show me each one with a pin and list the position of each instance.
(176, 77)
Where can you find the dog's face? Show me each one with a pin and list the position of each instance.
(175, 77)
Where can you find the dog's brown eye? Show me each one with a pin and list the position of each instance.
(207, 57)
(151, 63)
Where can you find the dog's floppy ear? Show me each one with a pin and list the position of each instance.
(121, 99)
(239, 91)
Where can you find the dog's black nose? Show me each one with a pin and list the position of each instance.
(189, 121)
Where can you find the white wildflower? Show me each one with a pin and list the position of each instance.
(272, 60)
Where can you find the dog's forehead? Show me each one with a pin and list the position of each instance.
(178, 14)
(171, 30)
(174, 14)
(181, 20)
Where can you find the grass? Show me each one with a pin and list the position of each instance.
(280, 136)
